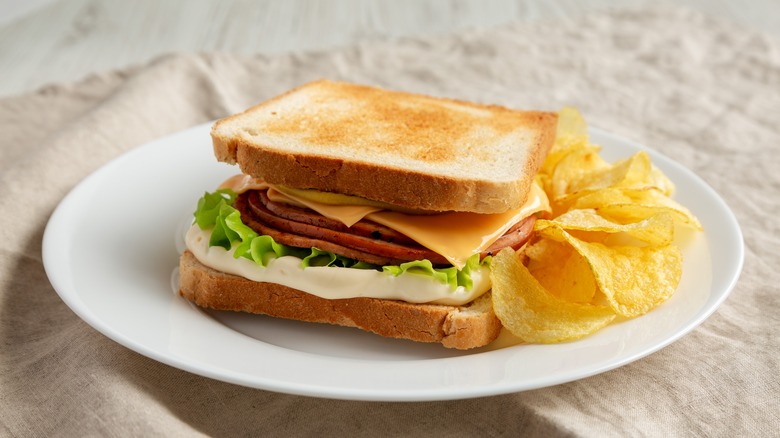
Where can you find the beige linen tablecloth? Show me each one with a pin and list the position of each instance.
(705, 93)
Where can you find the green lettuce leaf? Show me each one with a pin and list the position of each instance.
(451, 275)
(209, 206)
(263, 249)
(215, 211)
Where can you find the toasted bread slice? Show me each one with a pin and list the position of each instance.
(460, 327)
(409, 150)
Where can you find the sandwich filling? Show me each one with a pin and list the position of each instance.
(307, 275)
(257, 230)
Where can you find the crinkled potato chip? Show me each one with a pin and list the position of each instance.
(577, 165)
(529, 312)
(656, 230)
(571, 134)
(605, 252)
(632, 172)
(627, 205)
(571, 126)
(561, 271)
(660, 181)
(633, 279)
(545, 251)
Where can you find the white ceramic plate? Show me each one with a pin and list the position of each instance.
(111, 249)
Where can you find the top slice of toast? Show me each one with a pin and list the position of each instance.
(410, 150)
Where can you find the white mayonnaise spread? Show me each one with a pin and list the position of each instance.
(335, 282)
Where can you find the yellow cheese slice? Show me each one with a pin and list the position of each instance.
(347, 214)
(459, 235)
(456, 236)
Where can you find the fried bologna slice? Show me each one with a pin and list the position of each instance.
(461, 327)
(405, 149)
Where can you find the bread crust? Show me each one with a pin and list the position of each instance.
(429, 186)
(459, 327)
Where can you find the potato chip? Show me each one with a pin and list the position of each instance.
(605, 252)
(529, 312)
(658, 180)
(656, 230)
(561, 271)
(544, 251)
(633, 279)
(632, 172)
(627, 205)
(635, 172)
(572, 127)
(571, 134)
(577, 165)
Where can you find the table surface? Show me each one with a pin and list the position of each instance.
(54, 41)
(665, 78)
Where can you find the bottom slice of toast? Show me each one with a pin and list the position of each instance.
(461, 327)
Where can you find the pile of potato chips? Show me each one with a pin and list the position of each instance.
(607, 253)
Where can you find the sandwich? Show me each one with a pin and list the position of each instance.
(368, 208)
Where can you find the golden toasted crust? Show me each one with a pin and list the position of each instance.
(405, 149)
(460, 327)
